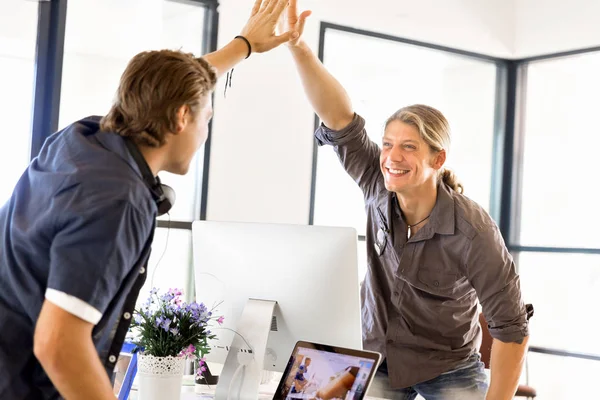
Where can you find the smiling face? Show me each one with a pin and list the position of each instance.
(408, 160)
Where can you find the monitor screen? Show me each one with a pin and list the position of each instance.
(324, 372)
(311, 272)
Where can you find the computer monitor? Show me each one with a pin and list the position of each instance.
(311, 272)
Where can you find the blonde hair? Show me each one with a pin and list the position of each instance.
(434, 130)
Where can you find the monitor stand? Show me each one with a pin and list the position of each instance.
(240, 378)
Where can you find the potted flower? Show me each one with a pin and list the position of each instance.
(167, 333)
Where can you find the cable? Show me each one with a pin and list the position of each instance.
(240, 335)
(163, 253)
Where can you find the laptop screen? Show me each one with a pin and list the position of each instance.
(325, 372)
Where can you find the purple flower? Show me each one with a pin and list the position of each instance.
(174, 331)
(220, 320)
(166, 324)
(138, 319)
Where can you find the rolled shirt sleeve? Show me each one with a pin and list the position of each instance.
(73, 305)
(92, 254)
(358, 154)
(492, 273)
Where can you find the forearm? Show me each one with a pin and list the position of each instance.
(63, 345)
(76, 371)
(506, 367)
(326, 95)
(227, 57)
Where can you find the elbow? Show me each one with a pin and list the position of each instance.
(45, 349)
(339, 121)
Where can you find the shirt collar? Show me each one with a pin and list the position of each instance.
(111, 141)
(442, 216)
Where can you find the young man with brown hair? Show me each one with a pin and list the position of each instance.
(76, 233)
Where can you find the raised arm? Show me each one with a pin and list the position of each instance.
(260, 33)
(327, 96)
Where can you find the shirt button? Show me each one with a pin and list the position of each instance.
(436, 283)
(112, 359)
(396, 294)
(126, 315)
(142, 270)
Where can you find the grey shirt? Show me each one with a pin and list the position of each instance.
(419, 297)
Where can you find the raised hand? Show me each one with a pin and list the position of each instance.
(295, 22)
(260, 28)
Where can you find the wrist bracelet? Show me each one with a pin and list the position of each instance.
(247, 43)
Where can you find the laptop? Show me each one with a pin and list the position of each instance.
(319, 371)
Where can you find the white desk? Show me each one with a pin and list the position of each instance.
(190, 391)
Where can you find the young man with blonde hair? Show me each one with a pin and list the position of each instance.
(433, 253)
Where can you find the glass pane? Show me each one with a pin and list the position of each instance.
(170, 264)
(18, 30)
(559, 203)
(97, 53)
(564, 290)
(389, 75)
(560, 378)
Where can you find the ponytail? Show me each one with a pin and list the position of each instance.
(450, 179)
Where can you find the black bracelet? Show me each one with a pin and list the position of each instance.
(247, 43)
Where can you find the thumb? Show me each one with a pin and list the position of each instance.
(286, 37)
(302, 20)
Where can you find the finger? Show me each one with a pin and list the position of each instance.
(265, 5)
(256, 7)
(293, 7)
(276, 6)
(302, 21)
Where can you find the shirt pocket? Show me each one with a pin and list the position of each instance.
(438, 282)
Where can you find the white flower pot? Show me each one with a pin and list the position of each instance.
(160, 378)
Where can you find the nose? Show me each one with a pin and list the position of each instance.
(396, 154)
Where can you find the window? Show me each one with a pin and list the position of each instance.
(556, 245)
(18, 31)
(563, 289)
(559, 206)
(389, 75)
(170, 264)
(558, 378)
(97, 52)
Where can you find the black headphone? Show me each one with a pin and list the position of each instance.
(163, 195)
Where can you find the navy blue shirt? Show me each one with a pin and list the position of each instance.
(80, 221)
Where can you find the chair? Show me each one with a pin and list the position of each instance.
(486, 355)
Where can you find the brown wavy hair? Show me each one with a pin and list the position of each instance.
(153, 87)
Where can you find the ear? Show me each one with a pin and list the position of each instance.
(439, 159)
(183, 118)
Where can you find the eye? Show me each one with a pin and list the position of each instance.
(387, 144)
(410, 147)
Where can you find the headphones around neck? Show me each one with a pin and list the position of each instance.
(163, 195)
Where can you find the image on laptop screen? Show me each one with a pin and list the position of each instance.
(325, 372)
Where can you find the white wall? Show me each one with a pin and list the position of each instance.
(550, 26)
(261, 152)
